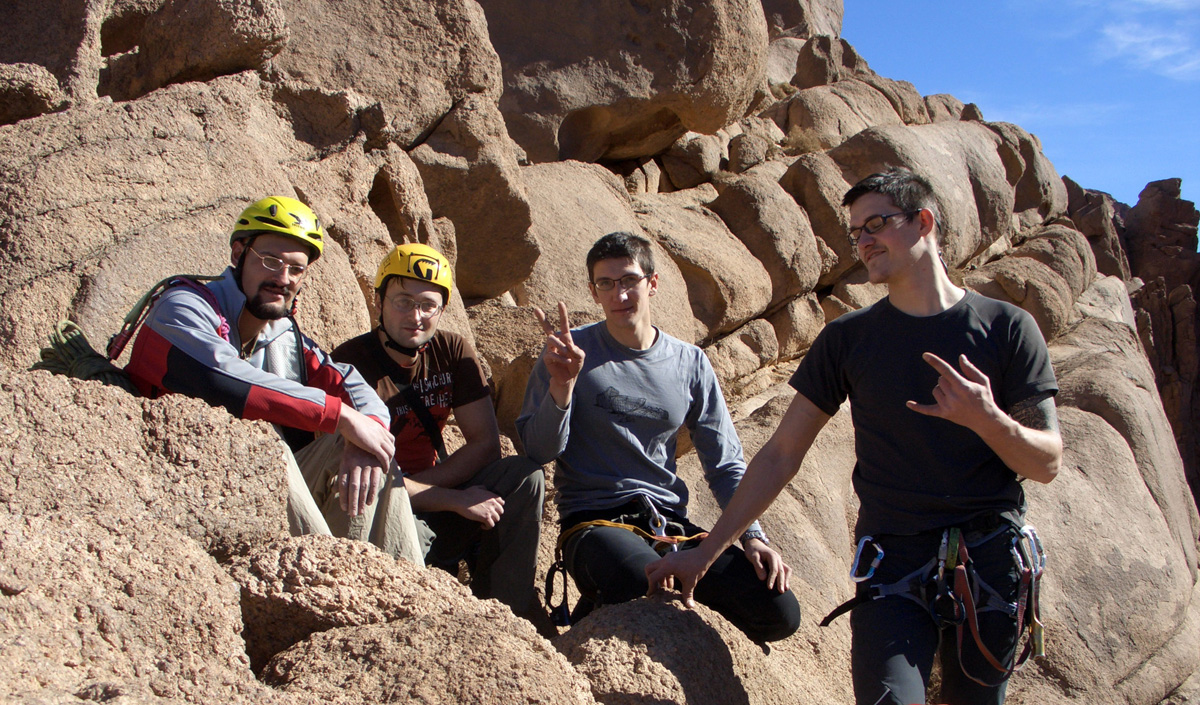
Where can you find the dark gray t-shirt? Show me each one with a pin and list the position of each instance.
(917, 472)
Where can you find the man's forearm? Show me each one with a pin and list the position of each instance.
(462, 465)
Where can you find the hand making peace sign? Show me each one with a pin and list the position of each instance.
(562, 358)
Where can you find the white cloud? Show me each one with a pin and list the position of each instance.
(1171, 53)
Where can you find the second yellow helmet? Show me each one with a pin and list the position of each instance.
(417, 261)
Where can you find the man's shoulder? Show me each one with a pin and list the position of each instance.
(356, 348)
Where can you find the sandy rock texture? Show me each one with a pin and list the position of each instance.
(511, 136)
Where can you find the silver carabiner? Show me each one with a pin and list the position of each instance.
(658, 524)
(858, 557)
(1037, 553)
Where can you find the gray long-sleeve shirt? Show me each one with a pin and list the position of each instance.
(616, 440)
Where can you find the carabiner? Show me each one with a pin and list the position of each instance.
(858, 557)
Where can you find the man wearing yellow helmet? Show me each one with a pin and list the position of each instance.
(234, 343)
(473, 504)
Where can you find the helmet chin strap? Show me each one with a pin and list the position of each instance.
(402, 349)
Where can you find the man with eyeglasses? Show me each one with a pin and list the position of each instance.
(471, 504)
(607, 401)
(952, 400)
(234, 342)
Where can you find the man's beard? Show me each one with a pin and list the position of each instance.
(264, 311)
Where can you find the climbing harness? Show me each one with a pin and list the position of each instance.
(660, 541)
(954, 594)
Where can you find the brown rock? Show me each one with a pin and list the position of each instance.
(482, 655)
(1160, 232)
(692, 160)
(196, 40)
(777, 232)
(469, 166)
(417, 60)
(1040, 193)
(726, 285)
(782, 54)
(61, 35)
(83, 447)
(1094, 215)
(630, 91)
(829, 115)
(654, 650)
(797, 325)
(856, 290)
(106, 606)
(746, 151)
(824, 60)
(742, 353)
(788, 18)
(295, 587)
(28, 90)
(943, 107)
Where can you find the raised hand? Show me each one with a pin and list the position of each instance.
(966, 399)
(562, 357)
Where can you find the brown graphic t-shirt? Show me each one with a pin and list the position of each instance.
(447, 374)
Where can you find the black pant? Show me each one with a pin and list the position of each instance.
(895, 639)
(608, 565)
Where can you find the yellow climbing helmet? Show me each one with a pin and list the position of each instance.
(283, 215)
(416, 261)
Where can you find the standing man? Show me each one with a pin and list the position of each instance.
(234, 343)
(952, 399)
(607, 402)
(473, 504)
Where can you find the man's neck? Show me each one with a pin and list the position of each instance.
(639, 337)
(926, 295)
(398, 357)
(249, 328)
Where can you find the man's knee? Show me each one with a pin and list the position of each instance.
(521, 483)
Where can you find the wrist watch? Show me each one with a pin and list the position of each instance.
(755, 534)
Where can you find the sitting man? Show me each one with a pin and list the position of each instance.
(480, 507)
(607, 401)
(234, 343)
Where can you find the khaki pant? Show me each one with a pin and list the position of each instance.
(313, 505)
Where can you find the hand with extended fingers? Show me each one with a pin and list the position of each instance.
(966, 399)
(562, 358)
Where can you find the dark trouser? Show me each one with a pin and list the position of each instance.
(608, 565)
(895, 639)
(502, 559)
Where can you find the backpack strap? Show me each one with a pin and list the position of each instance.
(426, 418)
(137, 315)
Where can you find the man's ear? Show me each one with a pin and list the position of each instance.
(236, 248)
(653, 282)
(926, 220)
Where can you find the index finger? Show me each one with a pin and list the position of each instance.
(563, 321)
(941, 366)
(541, 317)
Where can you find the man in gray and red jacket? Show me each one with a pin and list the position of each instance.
(234, 343)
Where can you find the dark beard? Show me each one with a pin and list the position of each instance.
(268, 312)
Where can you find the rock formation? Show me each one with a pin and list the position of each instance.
(144, 554)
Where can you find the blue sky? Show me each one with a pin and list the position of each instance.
(1110, 87)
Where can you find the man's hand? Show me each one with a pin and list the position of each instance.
(369, 449)
(966, 399)
(686, 566)
(562, 357)
(359, 479)
(479, 504)
(768, 564)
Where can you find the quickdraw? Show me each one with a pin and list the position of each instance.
(956, 594)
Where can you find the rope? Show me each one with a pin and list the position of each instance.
(70, 354)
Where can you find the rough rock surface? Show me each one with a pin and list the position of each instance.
(654, 650)
(28, 90)
(125, 607)
(83, 447)
(295, 587)
(571, 92)
(482, 655)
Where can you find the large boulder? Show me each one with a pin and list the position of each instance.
(63, 36)
(828, 115)
(1040, 194)
(480, 655)
(83, 447)
(1094, 214)
(28, 90)
(119, 609)
(656, 651)
(807, 18)
(293, 588)
(726, 284)
(196, 40)
(1160, 232)
(574, 91)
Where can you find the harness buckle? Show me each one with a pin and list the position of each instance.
(858, 558)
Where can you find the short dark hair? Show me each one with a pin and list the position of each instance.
(906, 190)
(621, 245)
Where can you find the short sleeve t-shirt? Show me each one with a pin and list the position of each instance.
(447, 374)
(917, 472)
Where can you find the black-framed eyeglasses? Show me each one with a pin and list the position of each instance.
(874, 224)
(274, 264)
(627, 282)
(407, 304)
